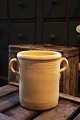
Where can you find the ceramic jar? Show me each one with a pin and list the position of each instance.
(40, 73)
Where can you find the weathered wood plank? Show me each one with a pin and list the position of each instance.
(9, 101)
(4, 117)
(73, 75)
(61, 112)
(69, 97)
(7, 89)
(20, 113)
(14, 83)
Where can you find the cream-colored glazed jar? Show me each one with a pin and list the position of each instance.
(39, 78)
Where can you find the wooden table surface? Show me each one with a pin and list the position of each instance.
(68, 107)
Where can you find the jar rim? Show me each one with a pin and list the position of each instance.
(39, 55)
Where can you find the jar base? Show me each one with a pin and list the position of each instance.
(39, 106)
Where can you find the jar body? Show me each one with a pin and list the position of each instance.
(39, 84)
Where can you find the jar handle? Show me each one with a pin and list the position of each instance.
(11, 65)
(65, 66)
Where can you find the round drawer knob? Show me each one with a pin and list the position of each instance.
(54, 1)
(20, 3)
(52, 37)
(20, 36)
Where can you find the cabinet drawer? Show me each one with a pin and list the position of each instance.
(75, 8)
(74, 35)
(55, 8)
(22, 33)
(55, 33)
(21, 9)
(3, 35)
(4, 63)
(3, 9)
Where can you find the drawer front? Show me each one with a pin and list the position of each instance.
(55, 33)
(22, 33)
(55, 8)
(75, 8)
(3, 35)
(3, 9)
(74, 33)
(21, 9)
(4, 63)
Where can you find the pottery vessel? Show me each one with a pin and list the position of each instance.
(39, 72)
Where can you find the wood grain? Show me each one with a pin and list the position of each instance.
(20, 113)
(7, 89)
(61, 112)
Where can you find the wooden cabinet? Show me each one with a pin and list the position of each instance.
(3, 9)
(55, 8)
(21, 9)
(3, 52)
(3, 63)
(55, 33)
(3, 42)
(74, 9)
(3, 34)
(21, 33)
(3, 67)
